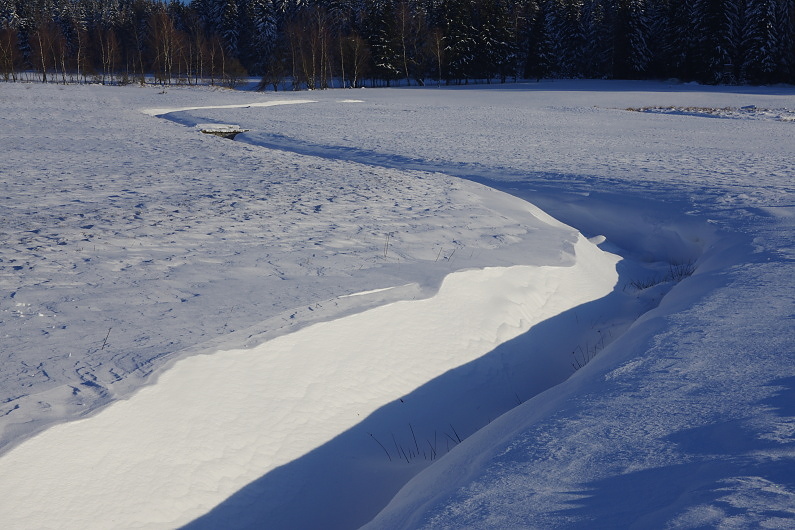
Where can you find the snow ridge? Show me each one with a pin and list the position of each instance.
(214, 423)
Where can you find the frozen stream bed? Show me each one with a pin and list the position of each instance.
(224, 271)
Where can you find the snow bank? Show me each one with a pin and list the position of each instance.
(685, 421)
(168, 110)
(214, 423)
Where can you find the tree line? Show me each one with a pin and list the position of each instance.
(319, 44)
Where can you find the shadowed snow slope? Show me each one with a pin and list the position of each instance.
(213, 423)
(686, 421)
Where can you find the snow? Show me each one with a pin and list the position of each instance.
(749, 112)
(166, 243)
(214, 423)
(167, 110)
(301, 325)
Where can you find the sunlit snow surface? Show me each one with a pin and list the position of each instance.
(132, 240)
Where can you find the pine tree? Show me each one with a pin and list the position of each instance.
(384, 41)
(713, 56)
(763, 43)
(686, 29)
(263, 35)
(494, 41)
(632, 55)
(596, 21)
(534, 42)
(563, 38)
(657, 42)
(229, 28)
(10, 56)
(786, 30)
(459, 40)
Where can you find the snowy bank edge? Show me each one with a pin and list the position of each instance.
(593, 275)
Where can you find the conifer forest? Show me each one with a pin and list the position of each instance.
(316, 44)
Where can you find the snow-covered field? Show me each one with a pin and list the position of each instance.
(353, 297)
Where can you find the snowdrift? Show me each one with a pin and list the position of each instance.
(330, 319)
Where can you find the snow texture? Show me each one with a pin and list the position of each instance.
(342, 302)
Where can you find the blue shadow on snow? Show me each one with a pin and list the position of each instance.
(346, 481)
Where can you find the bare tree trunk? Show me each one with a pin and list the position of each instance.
(404, 14)
(341, 47)
(41, 45)
(9, 53)
(438, 51)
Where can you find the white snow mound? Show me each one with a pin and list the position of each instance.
(214, 423)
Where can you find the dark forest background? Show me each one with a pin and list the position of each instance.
(332, 43)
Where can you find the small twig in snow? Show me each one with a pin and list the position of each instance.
(382, 446)
(105, 342)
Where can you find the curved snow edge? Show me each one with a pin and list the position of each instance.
(214, 423)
